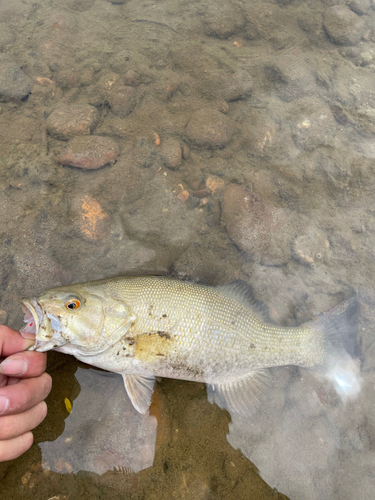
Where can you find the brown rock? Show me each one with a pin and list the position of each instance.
(237, 86)
(202, 193)
(90, 218)
(171, 154)
(260, 133)
(224, 21)
(65, 123)
(312, 125)
(343, 26)
(183, 196)
(312, 247)
(209, 128)
(122, 101)
(89, 152)
(213, 183)
(264, 232)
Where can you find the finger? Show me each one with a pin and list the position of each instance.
(24, 364)
(25, 394)
(12, 341)
(13, 448)
(12, 426)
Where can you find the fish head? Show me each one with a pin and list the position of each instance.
(75, 320)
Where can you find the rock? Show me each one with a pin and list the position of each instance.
(122, 100)
(237, 86)
(291, 75)
(312, 247)
(158, 218)
(183, 196)
(65, 123)
(215, 260)
(88, 215)
(264, 232)
(15, 85)
(260, 133)
(3, 317)
(202, 193)
(224, 21)
(312, 125)
(145, 154)
(80, 5)
(343, 26)
(209, 128)
(213, 184)
(171, 154)
(90, 152)
(360, 7)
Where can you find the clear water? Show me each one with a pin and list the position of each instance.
(216, 179)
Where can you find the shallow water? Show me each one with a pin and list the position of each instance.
(245, 140)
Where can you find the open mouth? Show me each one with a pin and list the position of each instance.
(45, 327)
(33, 316)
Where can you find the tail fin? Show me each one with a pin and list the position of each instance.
(341, 365)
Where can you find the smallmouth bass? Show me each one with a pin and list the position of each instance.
(147, 327)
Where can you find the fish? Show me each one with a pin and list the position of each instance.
(148, 327)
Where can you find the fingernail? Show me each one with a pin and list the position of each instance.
(4, 404)
(14, 367)
(27, 335)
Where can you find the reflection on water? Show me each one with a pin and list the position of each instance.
(240, 140)
(103, 432)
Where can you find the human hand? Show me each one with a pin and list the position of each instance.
(23, 387)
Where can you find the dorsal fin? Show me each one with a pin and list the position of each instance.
(240, 291)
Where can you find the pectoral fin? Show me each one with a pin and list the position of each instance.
(242, 395)
(140, 391)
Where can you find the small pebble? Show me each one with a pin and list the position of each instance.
(183, 196)
(213, 183)
(171, 154)
(202, 193)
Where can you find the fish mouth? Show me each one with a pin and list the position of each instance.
(33, 316)
(44, 326)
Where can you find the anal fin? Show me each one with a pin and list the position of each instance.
(140, 390)
(242, 395)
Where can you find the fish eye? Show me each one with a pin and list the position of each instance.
(72, 304)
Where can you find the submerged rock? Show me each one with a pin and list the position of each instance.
(90, 152)
(209, 128)
(15, 85)
(65, 123)
(343, 26)
(311, 248)
(264, 232)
